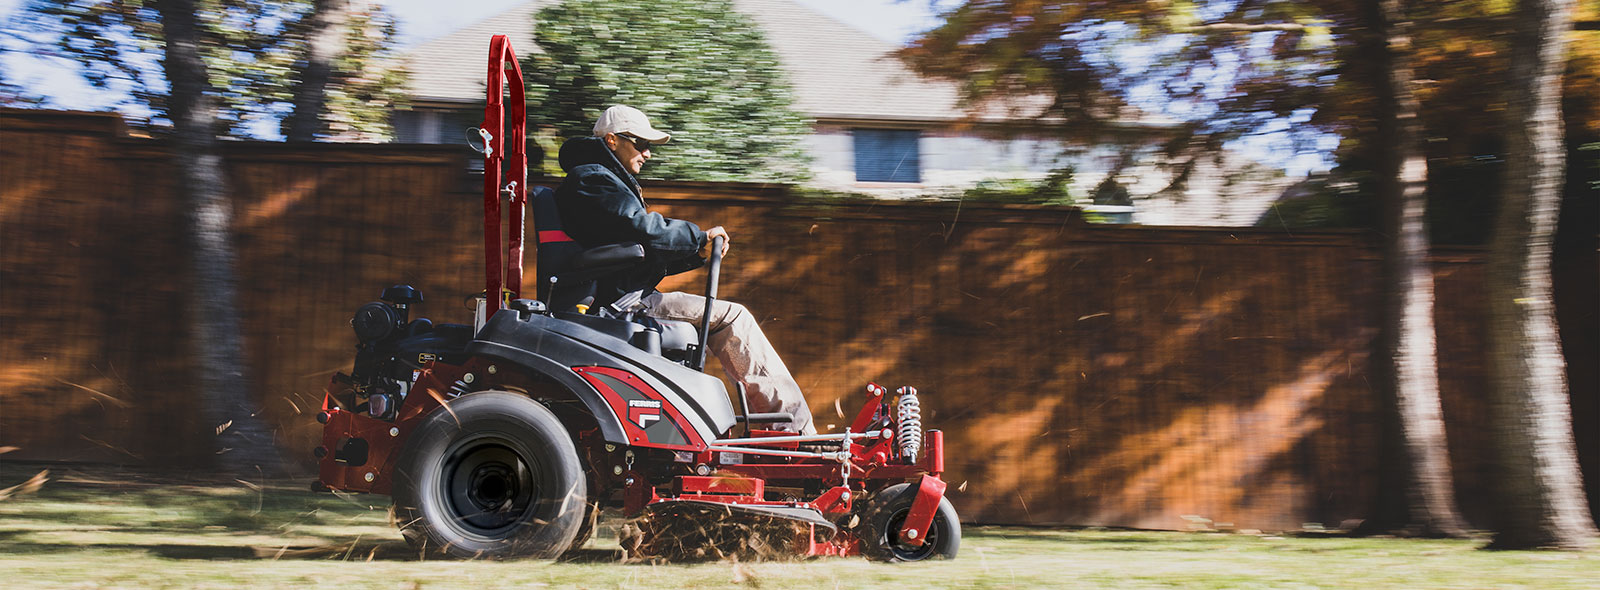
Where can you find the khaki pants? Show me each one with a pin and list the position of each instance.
(745, 353)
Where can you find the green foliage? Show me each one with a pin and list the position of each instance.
(1317, 203)
(1229, 69)
(1050, 190)
(366, 86)
(701, 70)
(1111, 192)
(252, 49)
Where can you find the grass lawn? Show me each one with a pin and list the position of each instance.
(105, 528)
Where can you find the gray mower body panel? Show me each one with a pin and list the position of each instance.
(535, 341)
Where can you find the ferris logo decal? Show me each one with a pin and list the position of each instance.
(644, 411)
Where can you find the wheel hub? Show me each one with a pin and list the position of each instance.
(492, 486)
(907, 552)
(489, 487)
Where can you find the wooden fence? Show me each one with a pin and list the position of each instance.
(1084, 375)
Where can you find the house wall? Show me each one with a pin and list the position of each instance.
(1083, 375)
(951, 161)
(954, 159)
(1219, 192)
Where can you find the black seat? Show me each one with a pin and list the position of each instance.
(568, 272)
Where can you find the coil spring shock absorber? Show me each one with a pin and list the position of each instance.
(908, 424)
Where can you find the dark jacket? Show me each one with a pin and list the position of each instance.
(601, 203)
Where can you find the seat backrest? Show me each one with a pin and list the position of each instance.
(580, 270)
(556, 248)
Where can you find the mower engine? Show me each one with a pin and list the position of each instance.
(514, 449)
(392, 349)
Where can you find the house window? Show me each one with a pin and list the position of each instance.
(887, 155)
(434, 125)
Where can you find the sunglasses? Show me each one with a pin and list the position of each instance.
(639, 143)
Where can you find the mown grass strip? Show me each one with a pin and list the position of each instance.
(88, 528)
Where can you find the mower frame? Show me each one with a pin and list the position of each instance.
(652, 434)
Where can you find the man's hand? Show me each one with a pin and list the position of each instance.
(713, 233)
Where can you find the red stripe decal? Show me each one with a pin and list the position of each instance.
(546, 237)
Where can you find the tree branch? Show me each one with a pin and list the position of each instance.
(1243, 27)
(1582, 25)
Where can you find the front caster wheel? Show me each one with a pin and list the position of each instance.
(494, 475)
(886, 511)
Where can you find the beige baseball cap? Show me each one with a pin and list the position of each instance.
(625, 119)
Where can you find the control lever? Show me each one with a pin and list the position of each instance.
(713, 271)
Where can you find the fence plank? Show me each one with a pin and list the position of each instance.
(1088, 375)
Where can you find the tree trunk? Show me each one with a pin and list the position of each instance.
(324, 41)
(1415, 494)
(1540, 500)
(245, 444)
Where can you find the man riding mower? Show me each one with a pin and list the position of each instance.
(504, 438)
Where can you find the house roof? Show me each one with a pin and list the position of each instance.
(836, 70)
(451, 68)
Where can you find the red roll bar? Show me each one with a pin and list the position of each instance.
(504, 272)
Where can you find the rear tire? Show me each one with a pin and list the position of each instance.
(494, 475)
(886, 511)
